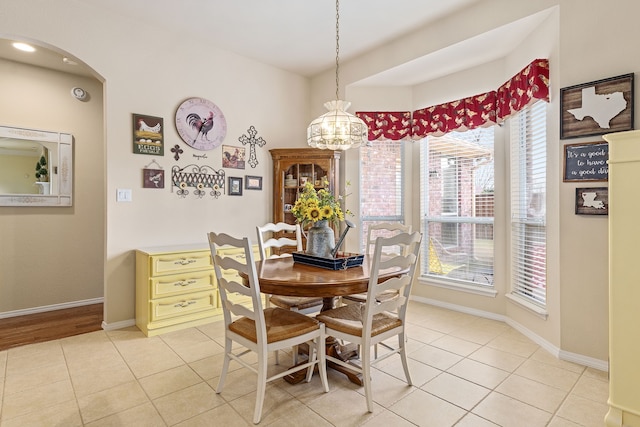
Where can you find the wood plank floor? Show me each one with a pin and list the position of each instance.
(51, 325)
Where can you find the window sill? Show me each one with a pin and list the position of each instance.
(535, 309)
(487, 291)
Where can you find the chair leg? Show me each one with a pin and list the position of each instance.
(225, 365)
(366, 374)
(322, 360)
(402, 342)
(261, 386)
(313, 356)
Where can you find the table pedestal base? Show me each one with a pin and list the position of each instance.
(344, 353)
(334, 349)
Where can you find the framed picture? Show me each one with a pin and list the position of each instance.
(233, 157)
(586, 162)
(148, 135)
(235, 186)
(153, 178)
(592, 201)
(596, 108)
(253, 182)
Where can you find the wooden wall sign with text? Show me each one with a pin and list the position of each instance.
(586, 162)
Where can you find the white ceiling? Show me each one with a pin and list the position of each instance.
(299, 35)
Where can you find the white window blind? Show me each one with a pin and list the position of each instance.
(381, 185)
(457, 206)
(528, 203)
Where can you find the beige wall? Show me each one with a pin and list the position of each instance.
(144, 72)
(54, 255)
(584, 41)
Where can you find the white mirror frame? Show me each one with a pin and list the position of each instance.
(64, 172)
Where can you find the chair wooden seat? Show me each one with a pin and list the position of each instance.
(280, 324)
(362, 298)
(298, 303)
(349, 319)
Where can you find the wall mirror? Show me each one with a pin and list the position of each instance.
(36, 167)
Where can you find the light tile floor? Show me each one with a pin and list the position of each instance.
(467, 371)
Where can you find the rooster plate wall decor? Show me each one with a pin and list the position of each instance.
(201, 124)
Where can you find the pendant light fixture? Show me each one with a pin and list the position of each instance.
(337, 129)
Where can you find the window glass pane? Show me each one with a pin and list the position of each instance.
(457, 206)
(528, 203)
(381, 185)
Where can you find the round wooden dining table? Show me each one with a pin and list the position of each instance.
(283, 276)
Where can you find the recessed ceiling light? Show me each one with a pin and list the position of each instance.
(24, 47)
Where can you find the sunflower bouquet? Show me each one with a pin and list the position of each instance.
(317, 205)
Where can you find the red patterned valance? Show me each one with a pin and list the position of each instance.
(523, 89)
(388, 125)
(464, 114)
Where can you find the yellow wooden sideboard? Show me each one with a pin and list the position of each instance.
(176, 287)
(624, 289)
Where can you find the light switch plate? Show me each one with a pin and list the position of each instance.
(123, 195)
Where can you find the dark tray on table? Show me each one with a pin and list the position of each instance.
(342, 261)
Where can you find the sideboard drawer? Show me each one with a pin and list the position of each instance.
(176, 287)
(167, 308)
(176, 284)
(180, 262)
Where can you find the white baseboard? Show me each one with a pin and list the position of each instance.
(53, 307)
(591, 362)
(601, 365)
(459, 308)
(118, 325)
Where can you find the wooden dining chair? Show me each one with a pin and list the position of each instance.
(384, 229)
(377, 320)
(257, 329)
(381, 229)
(272, 238)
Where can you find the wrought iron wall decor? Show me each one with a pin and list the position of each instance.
(201, 178)
(252, 141)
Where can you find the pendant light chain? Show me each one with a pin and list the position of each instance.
(337, 129)
(337, 48)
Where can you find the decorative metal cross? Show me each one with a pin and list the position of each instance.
(253, 141)
(176, 152)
